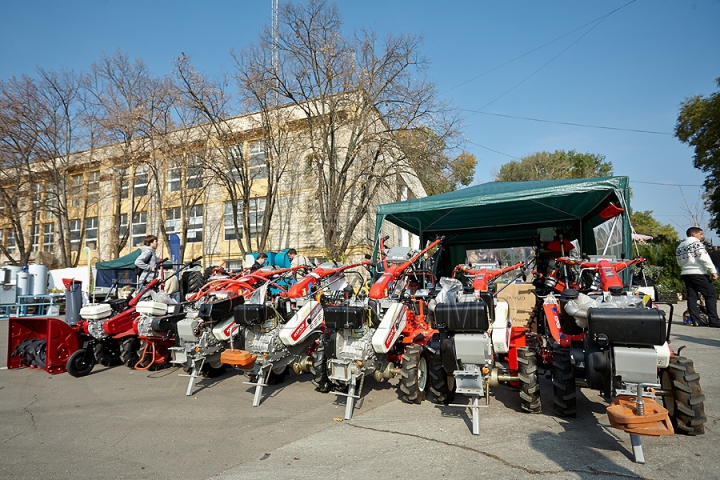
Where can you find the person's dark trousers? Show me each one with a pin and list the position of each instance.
(701, 284)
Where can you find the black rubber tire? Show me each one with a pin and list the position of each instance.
(529, 384)
(438, 383)
(252, 378)
(686, 408)
(413, 374)
(277, 378)
(319, 369)
(563, 379)
(207, 273)
(129, 351)
(193, 281)
(107, 353)
(80, 363)
(208, 371)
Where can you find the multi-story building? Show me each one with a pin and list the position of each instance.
(181, 183)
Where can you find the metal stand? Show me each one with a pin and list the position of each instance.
(470, 382)
(262, 382)
(193, 375)
(351, 397)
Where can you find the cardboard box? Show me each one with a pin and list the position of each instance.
(521, 301)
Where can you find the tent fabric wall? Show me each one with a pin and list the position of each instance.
(509, 214)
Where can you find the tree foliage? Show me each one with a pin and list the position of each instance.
(698, 125)
(427, 154)
(556, 165)
(645, 224)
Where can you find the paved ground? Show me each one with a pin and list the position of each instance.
(118, 423)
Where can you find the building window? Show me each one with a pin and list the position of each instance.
(48, 237)
(256, 214)
(75, 235)
(76, 190)
(194, 233)
(228, 223)
(35, 238)
(173, 179)
(91, 232)
(93, 187)
(234, 162)
(140, 183)
(123, 227)
(195, 172)
(256, 163)
(10, 234)
(51, 203)
(123, 177)
(172, 220)
(139, 228)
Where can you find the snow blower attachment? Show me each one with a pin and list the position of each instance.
(42, 343)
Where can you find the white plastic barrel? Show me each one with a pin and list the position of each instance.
(39, 275)
(14, 270)
(23, 283)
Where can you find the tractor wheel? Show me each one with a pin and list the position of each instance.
(208, 272)
(210, 371)
(129, 351)
(278, 376)
(529, 386)
(80, 363)
(107, 353)
(439, 386)
(686, 407)
(413, 374)
(193, 281)
(563, 379)
(252, 378)
(319, 369)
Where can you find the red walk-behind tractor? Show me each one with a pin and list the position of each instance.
(613, 341)
(383, 334)
(476, 334)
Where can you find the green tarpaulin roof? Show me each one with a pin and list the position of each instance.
(505, 214)
(124, 263)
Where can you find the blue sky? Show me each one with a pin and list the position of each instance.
(628, 71)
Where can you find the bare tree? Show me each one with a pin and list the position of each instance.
(356, 93)
(121, 91)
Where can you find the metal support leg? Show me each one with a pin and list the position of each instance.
(350, 402)
(637, 449)
(262, 382)
(193, 375)
(476, 415)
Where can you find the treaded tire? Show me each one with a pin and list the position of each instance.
(107, 353)
(686, 408)
(529, 385)
(80, 363)
(413, 374)
(129, 351)
(439, 387)
(276, 378)
(319, 369)
(148, 358)
(563, 379)
(192, 281)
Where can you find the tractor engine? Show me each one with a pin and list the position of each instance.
(95, 315)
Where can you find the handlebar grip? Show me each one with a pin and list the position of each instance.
(196, 259)
(385, 238)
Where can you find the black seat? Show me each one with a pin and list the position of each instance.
(464, 317)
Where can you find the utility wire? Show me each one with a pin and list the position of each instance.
(490, 149)
(566, 123)
(667, 184)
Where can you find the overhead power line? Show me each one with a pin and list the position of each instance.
(567, 123)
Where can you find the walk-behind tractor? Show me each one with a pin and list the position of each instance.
(384, 334)
(208, 329)
(281, 334)
(614, 342)
(476, 333)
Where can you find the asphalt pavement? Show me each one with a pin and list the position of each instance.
(121, 423)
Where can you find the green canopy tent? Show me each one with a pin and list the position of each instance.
(121, 270)
(509, 214)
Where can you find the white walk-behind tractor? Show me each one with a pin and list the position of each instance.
(476, 331)
(204, 333)
(274, 342)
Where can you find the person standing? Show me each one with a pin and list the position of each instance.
(696, 264)
(297, 261)
(146, 262)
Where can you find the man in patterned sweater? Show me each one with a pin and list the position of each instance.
(696, 264)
